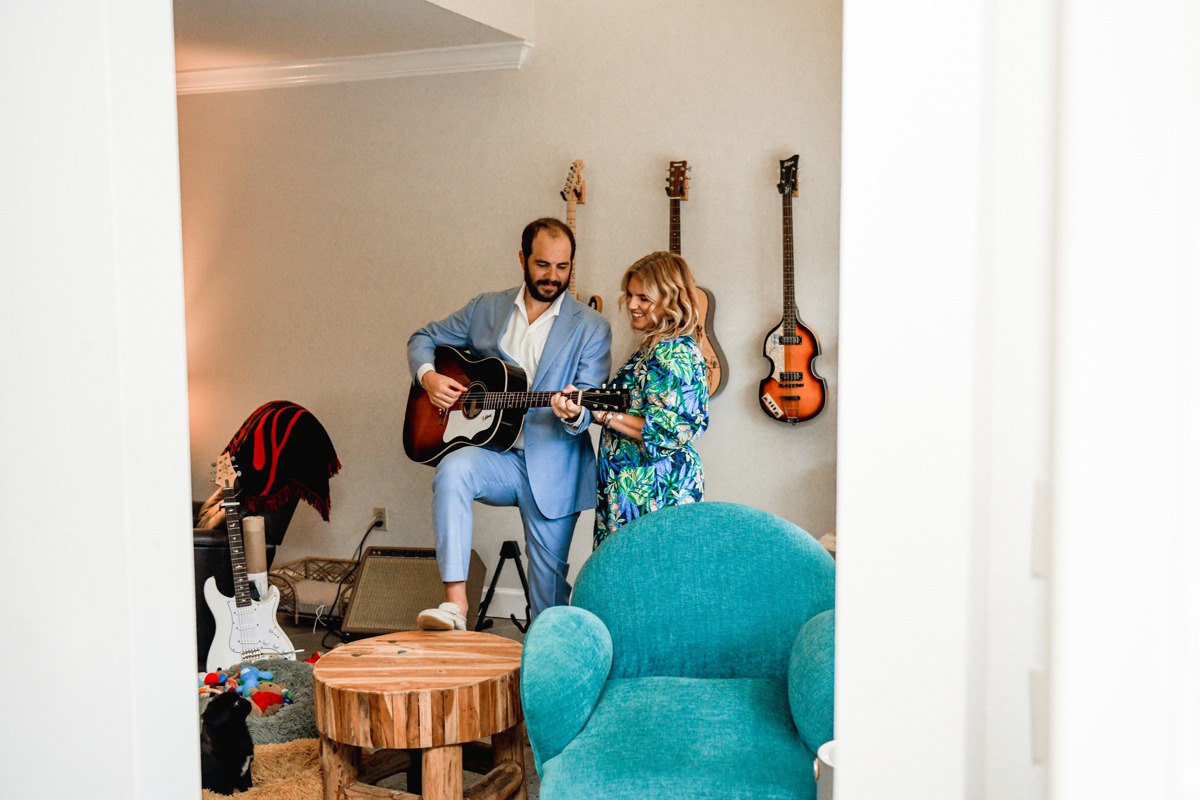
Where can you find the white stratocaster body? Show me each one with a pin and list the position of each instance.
(244, 633)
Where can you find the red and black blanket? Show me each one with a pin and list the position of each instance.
(282, 452)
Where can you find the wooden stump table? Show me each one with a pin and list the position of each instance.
(421, 691)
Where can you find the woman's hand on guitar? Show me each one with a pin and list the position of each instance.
(565, 404)
(442, 390)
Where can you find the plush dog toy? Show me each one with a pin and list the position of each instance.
(249, 678)
(269, 697)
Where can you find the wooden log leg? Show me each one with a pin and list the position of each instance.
(509, 745)
(441, 773)
(339, 766)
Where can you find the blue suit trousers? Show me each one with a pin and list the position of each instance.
(499, 479)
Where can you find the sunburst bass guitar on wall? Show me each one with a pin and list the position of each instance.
(489, 414)
(793, 392)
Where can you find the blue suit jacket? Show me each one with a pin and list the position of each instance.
(560, 459)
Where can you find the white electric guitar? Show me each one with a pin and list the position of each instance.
(247, 629)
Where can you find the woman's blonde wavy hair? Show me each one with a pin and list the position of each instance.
(669, 286)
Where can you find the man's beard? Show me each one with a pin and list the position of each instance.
(547, 293)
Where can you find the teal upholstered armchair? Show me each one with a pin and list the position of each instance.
(696, 661)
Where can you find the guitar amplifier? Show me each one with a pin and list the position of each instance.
(394, 584)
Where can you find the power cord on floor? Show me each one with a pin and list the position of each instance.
(357, 558)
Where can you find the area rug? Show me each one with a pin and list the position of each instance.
(282, 771)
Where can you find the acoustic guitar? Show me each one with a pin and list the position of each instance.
(489, 414)
(714, 358)
(574, 191)
(792, 392)
(247, 629)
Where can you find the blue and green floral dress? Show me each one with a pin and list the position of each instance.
(669, 389)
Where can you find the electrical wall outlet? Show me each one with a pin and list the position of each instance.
(381, 518)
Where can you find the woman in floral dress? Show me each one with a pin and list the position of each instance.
(646, 457)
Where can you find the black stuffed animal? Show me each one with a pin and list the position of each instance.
(226, 750)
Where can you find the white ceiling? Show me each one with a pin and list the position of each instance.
(214, 34)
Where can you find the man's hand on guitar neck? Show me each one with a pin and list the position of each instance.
(442, 390)
(566, 405)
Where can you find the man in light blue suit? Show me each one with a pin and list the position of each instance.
(550, 471)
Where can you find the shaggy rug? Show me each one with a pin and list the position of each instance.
(282, 771)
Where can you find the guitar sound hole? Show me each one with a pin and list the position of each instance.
(473, 401)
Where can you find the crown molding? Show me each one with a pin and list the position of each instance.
(342, 69)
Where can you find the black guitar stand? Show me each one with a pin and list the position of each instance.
(508, 550)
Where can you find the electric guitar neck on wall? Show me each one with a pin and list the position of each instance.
(489, 414)
(714, 359)
(247, 629)
(574, 191)
(792, 392)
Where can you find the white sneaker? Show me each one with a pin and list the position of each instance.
(446, 617)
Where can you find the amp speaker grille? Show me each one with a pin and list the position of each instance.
(394, 584)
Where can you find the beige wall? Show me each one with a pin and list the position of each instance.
(323, 224)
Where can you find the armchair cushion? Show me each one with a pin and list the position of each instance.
(663, 737)
(564, 665)
(810, 681)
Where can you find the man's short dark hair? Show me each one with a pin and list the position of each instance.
(555, 226)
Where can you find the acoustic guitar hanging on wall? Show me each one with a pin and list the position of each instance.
(574, 191)
(714, 359)
(792, 392)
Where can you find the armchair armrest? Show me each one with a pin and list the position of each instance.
(565, 664)
(810, 680)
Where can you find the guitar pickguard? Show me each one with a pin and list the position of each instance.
(460, 425)
(773, 350)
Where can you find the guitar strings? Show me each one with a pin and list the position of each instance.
(519, 399)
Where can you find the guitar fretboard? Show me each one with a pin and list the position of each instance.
(237, 548)
(571, 225)
(485, 400)
(789, 267)
(673, 230)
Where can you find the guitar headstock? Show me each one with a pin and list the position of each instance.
(225, 472)
(575, 188)
(604, 399)
(789, 182)
(677, 180)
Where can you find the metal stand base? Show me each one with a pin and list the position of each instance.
(508, 550)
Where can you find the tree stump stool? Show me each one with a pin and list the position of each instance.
(421, 691)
